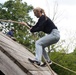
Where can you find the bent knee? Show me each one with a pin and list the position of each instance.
(38, 42)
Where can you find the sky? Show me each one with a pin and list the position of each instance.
(66, 16)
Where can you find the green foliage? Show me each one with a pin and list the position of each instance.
(66, 60)
(18, 11)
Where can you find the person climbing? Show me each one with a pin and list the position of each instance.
(11, 34)
(45, 25)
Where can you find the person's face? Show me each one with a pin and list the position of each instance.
(37, 13)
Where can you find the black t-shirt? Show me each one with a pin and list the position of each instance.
(44, 24)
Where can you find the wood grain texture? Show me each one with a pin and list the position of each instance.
(15, 59)
(8, 67)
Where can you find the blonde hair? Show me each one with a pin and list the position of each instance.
(40, 9)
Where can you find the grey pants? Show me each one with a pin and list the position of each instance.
(46, 41)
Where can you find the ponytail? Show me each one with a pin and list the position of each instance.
(43, 12)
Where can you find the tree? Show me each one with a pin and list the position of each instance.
(18, 11)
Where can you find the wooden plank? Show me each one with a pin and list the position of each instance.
(22, 59)
(42, 73)
(8, 67)
(19, 52)
(20, 56)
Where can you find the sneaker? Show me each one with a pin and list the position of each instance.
(34, 61)
(44, 64)
(50, 62)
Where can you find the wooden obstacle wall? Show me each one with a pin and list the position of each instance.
(14, 59)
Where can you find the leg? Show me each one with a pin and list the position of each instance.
(46, 55)
(39, 50)
(44, 42)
